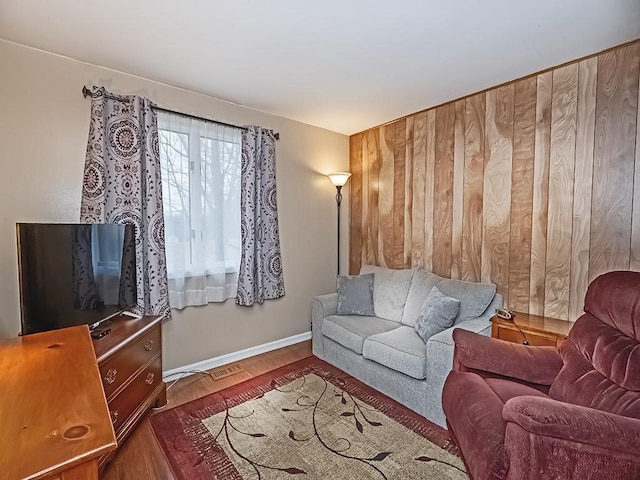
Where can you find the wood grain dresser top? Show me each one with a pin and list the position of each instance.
(53, 413)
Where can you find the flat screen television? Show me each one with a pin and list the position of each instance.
(73, 274)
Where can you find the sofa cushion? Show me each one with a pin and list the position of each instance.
(474, 297)
(390, 290)
(400, 349)
(355, 295)
(350, 331)
(421, 285)
(437, 314)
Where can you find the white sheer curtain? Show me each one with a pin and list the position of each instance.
(201, 194)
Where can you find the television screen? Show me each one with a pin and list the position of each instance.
(71, 274)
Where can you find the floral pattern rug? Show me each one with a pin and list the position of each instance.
(305, 420)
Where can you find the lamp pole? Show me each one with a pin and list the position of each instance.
(339, 202)
(339, 179)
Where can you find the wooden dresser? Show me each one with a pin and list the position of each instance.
(537, 330)
(130, 361)
(54, 422)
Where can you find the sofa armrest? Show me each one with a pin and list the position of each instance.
(497, 302)
(481, 325)
(441, 345)
(546, 417)
(322, 306)
(539, 365)
(440, 350)
(478, 325)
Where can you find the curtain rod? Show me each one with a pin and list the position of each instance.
(87, 93)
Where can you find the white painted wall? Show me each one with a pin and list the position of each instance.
(44, 123)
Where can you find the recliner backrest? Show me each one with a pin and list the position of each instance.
(614, 298)
(602, 355)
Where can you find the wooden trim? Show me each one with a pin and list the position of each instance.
(215, 362)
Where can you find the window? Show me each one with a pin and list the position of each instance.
(200, 164)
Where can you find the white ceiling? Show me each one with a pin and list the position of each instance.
(345, 65)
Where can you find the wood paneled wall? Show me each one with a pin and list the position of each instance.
(533, 185)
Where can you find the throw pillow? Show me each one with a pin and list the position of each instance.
(437, 314)
(355, 295)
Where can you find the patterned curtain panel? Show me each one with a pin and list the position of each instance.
(260, 276)
(122, 184)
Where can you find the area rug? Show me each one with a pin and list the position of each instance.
(305, 420)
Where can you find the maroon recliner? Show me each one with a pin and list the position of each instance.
(523, 412)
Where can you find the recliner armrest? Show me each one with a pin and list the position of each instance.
(539, 365)
(575, 423)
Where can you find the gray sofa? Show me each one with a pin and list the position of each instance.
(384, 351)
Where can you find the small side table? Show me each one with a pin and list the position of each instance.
(539, 331)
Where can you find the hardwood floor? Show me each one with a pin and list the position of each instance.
(140, 456)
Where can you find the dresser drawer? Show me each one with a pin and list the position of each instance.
(126, 401)
(116, 370)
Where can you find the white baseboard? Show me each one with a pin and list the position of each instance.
(214, 362)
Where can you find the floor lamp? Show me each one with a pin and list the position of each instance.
(339, 179)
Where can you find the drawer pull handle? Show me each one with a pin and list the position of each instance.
(149, 379)
(114, 416)
(110, 376)
(148, 346)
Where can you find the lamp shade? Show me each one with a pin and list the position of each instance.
(339, 178)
